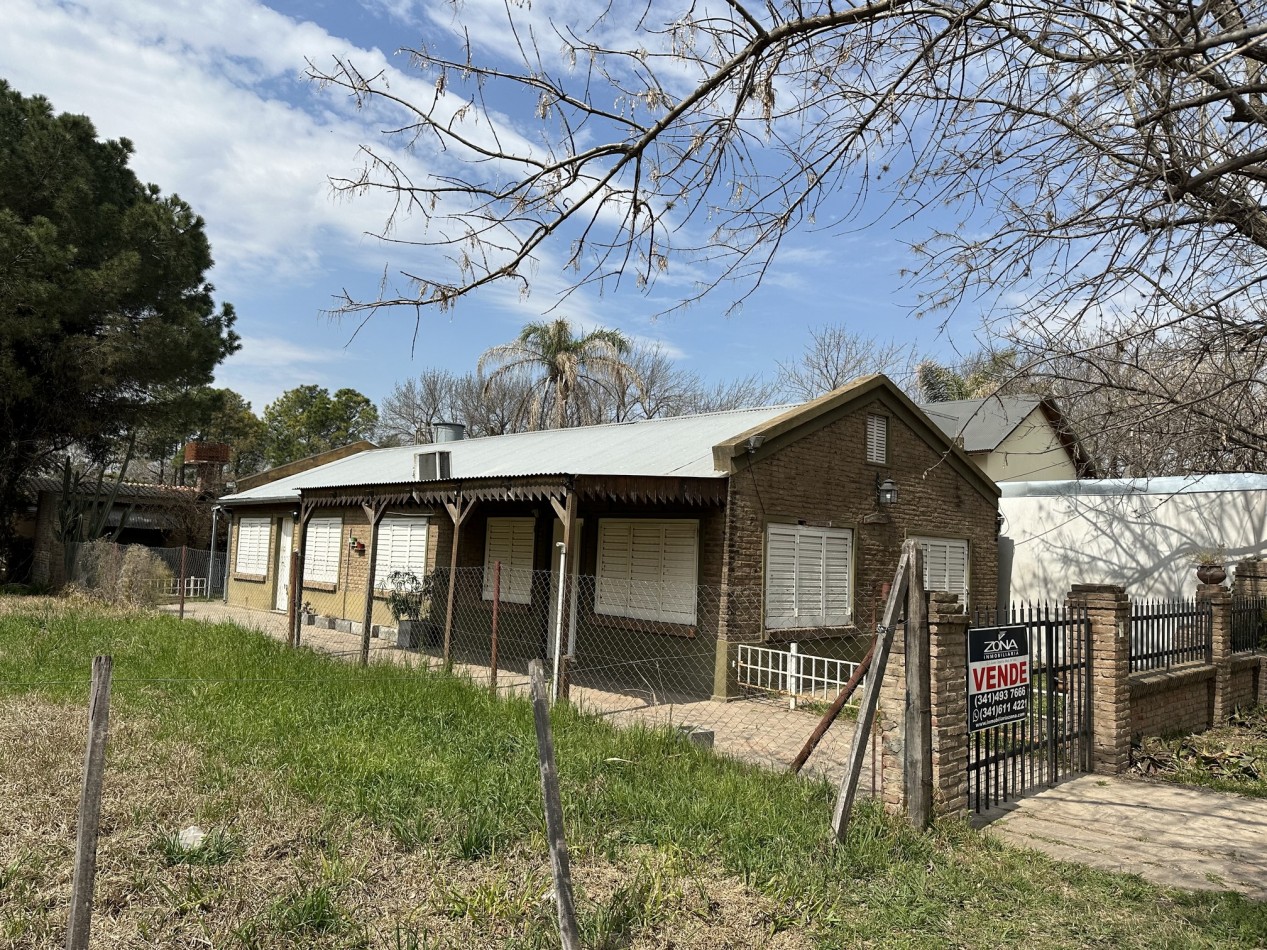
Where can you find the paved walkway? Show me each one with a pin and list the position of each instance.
(1175, 836)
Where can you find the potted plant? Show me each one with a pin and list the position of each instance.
(408, 597)
(309, 614)
(1210, 564)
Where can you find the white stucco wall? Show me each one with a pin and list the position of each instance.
(1139, 533)
(1031, 451)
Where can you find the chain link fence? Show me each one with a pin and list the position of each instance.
(139, 574)
(629, 653)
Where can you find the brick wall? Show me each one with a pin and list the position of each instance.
(256, 591)
(1243, 684)
(1178, 701)
(823, 479)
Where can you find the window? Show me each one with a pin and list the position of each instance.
(252, 553)
(647, 569)
(877, 439)
(807, 576)
(946, 566)
(510, 540)
(402, 546)
(322, 551)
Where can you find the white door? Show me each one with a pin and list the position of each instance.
(283, 563)
(573, 562)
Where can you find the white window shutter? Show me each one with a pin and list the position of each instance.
(511, 541)
(647, 569)
(323, 550)
(946, 565)
(877, 439)
(808, 576)
(251, 556)
(402, 546)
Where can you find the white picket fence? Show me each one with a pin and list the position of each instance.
(799, 676)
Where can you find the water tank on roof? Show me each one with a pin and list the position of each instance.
(447, 432)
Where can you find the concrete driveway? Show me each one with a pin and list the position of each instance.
(1171, 835)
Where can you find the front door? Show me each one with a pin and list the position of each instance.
(285, 536)
(574, 561)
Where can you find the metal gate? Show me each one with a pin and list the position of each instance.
(1054, 740)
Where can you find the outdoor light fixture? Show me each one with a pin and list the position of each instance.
(885, 491)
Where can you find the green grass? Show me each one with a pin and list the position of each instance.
(449, 770)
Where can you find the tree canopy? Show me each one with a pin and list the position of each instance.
(105, 313)
(307, 420)
(1093, 175)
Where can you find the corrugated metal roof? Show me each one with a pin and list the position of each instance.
(982, 423)
(128, 491)
(681, 446)
(1168, 485)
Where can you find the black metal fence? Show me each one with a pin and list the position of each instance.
(1166, 632)
(1053, 741)
(1249, 624)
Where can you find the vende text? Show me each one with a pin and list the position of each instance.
(1000, 675)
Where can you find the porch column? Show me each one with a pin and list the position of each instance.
(458, 509)
(374, 509)
(566, 512)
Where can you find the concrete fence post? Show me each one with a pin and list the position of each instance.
(948, 643)
(1109, 611)
(1220, 601)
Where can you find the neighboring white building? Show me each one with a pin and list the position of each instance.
(1140, 533)
(1013, 438)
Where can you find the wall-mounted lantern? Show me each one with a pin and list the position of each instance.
(885, 491)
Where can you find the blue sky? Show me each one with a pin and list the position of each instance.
(212, 95)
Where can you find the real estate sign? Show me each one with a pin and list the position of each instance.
(998, 676)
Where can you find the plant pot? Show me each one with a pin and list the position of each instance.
(1211, 573)
(408, 634)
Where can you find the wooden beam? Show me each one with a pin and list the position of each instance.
(871, 695)
(306, 508)
(567, 514)
(90, 806)
(374, 510)
(458, 509)
(832, 712)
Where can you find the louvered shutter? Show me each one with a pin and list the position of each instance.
(402, 546)
(647, 569)
(251, 556)
(323, 550)
(807, 576)
(877, 439)
(946, 565)
(511, 541)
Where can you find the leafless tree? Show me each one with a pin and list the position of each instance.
(1087, 169)
(410, 409)
(836, 355)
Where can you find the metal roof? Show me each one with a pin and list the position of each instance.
(982, 423)
(1168, 485)
(680, 446)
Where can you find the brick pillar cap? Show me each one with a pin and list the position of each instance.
(1212, 592)
(1098, 589)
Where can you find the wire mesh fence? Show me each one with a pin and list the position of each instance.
(143, 575)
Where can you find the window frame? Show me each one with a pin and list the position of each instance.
(614, 596)
(774, 616)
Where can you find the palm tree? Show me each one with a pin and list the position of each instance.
(560, 365)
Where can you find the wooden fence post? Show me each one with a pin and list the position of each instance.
(559, 863)
(90, 806)
(917, 721)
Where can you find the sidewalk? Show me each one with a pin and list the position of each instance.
(1172, 835)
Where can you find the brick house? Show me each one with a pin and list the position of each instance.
(775, 512)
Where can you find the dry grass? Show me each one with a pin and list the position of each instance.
(294, 878)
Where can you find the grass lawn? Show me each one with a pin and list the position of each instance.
(401, 809)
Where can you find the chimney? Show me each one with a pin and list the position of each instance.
(447, 432)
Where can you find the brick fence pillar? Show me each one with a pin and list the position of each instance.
(890, 721)
(1251, 579)
(1109, 612)
(1220, 601)
(948, 641)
